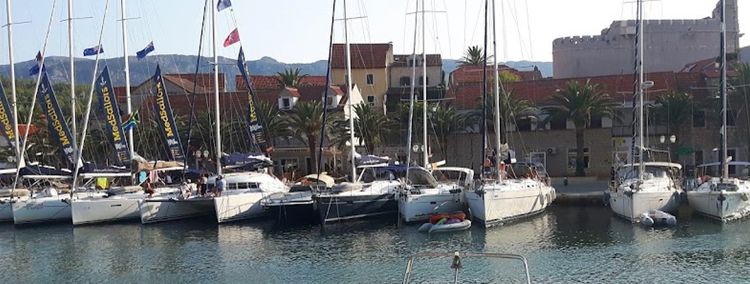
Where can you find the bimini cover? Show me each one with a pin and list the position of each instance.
(371, 160)
(38, 170)
(157, 165)
(245, 161)
(91, 168)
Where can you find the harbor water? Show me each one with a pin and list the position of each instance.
(563, 245)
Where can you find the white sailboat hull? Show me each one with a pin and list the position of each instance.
(238, 206)
(169, 209)
(419, 207)
(102, 210)
(42, 210)
(631, 206)
(6, 210)
(507, 202)
(719, 203)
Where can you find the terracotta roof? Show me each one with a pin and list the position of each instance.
(619, 87)
(292, 91)
(204, 82)
(364, 55)
(403, 60)
(709, 67)
(269, 82)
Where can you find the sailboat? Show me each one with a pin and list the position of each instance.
(251, 183)
(373, 191)
(643, 186)
(9, 128)
(422, 195)
(724, 198)
(520, 191)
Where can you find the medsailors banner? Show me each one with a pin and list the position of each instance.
(165, 118)
(254, 122)
(58, 128)
(6, 123)
(111, 114)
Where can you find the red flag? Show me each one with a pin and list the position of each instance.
(233, 37)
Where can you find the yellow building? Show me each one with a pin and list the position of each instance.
(370, 64)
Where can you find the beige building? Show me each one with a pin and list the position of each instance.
(370, 64)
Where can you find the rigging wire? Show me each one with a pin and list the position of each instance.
(328, 86)
(33, 96)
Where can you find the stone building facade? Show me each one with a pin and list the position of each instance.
(668, 45)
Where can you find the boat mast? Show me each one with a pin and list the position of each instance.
(71, 58)
(641, 166)
(128, 104)
(723, 93)
(17, 149)
(484, 89)
(498, 128)
(217, 123)
(425, 150)
(349, 88)
(412, 86)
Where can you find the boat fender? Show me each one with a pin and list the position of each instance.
(629, 193)
(425, 228)
(646, 220)
(721, 197)
(745, 196)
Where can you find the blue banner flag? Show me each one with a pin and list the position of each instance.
(254, 122)
(145, 51)
(35, 68)
(111, 114)
(58, 128)
(6, 123)
(165, 118)
(223, 4)
(93, 50)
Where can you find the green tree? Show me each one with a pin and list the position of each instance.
(740, 92)
(306, 120)
(508, 77)
(511, 108)
(473, 56)
(445, 121)
(674, 109)
(370, 126)
(290, 77)
(275, 121)
(579, 103)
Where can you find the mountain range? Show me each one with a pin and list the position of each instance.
(140, 70)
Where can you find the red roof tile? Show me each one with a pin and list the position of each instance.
(269, 82)
(204, 82)
(364, 55)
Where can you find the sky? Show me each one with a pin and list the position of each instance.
(297, 31)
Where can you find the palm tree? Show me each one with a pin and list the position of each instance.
(290, 77)
(370, 126)
(473, 56)
(510, 108)
(675, 108)
(274, 120)
(579, 103)
(445, 121)
(305, 121)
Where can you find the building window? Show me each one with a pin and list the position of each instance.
(558, 123)
(370, 79)
(523, 124)
(332, 102)
(286, 103)
(286, 165)
(404, 81)
(572, 158)
(699, 118)
(371, 100)
(596, 121)
(698, 157)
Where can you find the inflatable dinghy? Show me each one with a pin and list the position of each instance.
(658, 218)
(446, 223)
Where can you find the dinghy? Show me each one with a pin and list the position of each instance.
(440, 223)
(658, 218)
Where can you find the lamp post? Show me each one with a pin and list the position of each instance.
(672, 140)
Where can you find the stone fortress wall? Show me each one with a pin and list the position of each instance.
(669, 45)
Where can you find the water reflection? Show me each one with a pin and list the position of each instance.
(565, 244)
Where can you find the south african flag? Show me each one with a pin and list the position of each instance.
(130, 121)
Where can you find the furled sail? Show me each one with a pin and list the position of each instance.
(6, 123)
(254, 122)
(111, 114)
(58, 128)
(165, 117)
